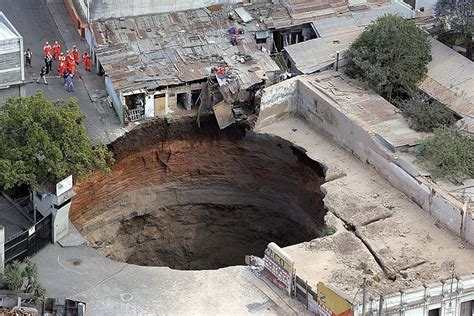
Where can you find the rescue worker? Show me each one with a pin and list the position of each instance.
(71, 67)
(42, 75)
(86, 59)
(47, 49)
(62, 65)
(56, 50)
(48, 62)
(68, 57)
(75, 54)
(28, 55)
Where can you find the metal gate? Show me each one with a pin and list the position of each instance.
(135, 115)
(29, 242)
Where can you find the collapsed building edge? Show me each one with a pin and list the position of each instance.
(298, 96)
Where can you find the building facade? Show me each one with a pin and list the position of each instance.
(12, 72)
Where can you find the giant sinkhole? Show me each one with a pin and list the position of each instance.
(189, 197)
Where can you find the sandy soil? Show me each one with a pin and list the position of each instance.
(412, 246)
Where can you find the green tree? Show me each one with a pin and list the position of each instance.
(12, 278)
(391, 54)
(43, 142)
(457, 18)
(449, 152)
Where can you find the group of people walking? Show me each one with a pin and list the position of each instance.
(66, 63)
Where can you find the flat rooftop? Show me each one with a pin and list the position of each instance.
(366, 107)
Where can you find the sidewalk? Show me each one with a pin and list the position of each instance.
(101, 120)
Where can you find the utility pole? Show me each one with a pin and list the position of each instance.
(381, 299)
(88, 12)
(364, 296)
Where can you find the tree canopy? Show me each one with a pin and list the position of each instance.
(391, 54)
(449, 152)
(457, 16)
(42, 142)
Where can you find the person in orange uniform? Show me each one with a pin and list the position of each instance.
(69, 58)
(47, 49)
(86, 59)
(75, 54)
(62, 68)
(71, 67)
(56, 50)
(61, 64)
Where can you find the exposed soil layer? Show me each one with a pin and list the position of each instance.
(199, 198)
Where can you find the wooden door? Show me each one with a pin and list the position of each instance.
(160, 105)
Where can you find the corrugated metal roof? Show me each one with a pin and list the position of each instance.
(337, 34)
(450, 79)
(312, 55)
(336, 25)
(365, 17)
(244, 15)
(176, 47)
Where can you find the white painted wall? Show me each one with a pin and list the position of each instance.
(427, 4)
(61, 222)
(149, 106)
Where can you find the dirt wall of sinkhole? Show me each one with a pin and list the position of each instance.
(199, 198)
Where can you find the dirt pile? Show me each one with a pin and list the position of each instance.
(192, 198)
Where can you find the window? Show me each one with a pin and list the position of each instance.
(467, 308)
(434, 312)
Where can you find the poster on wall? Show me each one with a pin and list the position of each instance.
(279, 267)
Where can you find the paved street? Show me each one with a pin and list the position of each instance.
(115, 288)
(39, 21)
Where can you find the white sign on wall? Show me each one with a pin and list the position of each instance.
(64, 186)
(31, 231)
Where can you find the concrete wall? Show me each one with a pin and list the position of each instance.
(149, 106)
(447, 295)
(11, 58)
(427, 4)
(43, 204)
(104, 9)
(297, 97)
(61, 222)
(118, 106)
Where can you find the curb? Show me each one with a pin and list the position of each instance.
(71, 10)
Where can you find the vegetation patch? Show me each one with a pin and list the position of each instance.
(23, 277)
(449, 153)
(327, 230)
(425, 114)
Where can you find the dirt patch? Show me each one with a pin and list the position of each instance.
(202, 199)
